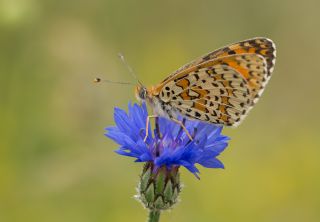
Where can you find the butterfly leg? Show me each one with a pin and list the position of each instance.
(183, 127)
(147, 126)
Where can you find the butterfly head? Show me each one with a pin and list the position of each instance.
(141, 92)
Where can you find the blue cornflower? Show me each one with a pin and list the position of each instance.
(170, 146)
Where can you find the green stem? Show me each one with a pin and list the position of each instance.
(154, 216)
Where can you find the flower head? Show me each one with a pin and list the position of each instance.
(169, 146)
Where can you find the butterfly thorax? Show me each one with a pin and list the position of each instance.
(159, 107)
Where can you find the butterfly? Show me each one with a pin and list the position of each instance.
(219, 88)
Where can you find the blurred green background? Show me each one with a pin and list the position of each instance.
(56, 164)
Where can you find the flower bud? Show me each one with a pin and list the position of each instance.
(158, 188)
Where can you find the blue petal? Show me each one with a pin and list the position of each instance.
(174, 148)
(121, 119)
(212, 163)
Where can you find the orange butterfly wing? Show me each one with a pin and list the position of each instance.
(260, 45)
(222, 86)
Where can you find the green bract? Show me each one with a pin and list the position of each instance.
(159, 189)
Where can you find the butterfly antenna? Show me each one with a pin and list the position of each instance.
(99, 80)
(129, 68)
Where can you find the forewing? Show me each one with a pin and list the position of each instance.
(260, 45)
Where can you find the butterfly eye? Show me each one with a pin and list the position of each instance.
(143, 93)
